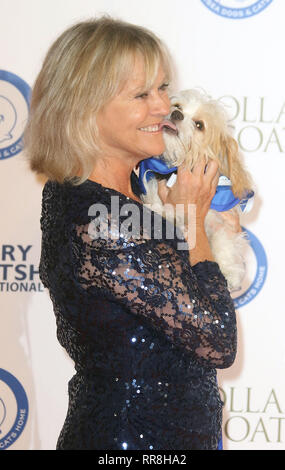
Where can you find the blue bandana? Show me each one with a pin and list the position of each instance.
(150, 166)
(224, 198)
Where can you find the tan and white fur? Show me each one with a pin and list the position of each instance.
(202, 129)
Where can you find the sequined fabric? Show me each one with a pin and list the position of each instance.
(145, 330)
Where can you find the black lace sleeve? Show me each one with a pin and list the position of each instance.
(190, 305)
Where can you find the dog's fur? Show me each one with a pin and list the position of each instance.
(203, 130)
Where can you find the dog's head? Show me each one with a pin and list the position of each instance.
(202, 129)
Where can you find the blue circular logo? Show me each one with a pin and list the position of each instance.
(14, 409)
(254, 284)
(236, 9)
(14, 111)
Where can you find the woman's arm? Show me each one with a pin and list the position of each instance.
(196, 188)
(191, 306)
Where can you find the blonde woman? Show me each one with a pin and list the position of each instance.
(145, 322)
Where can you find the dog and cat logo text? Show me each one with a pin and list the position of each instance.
(14, 409)
(14, 110)
(236, 9)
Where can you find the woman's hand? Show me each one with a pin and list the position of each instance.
(192, 187)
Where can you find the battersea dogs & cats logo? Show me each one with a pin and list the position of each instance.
(236, 9)
(14, 111)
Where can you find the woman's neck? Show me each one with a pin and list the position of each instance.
(114, 176)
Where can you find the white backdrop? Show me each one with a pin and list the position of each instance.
(239, 61)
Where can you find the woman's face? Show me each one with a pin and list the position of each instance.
(129, 124)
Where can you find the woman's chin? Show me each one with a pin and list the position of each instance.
(156, 150)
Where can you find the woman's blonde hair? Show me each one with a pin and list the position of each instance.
(82, 71)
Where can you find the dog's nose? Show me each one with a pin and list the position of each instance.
(176, 115)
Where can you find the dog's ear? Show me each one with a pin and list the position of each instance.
(232, 167)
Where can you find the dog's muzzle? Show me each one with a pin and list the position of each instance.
(169, 124)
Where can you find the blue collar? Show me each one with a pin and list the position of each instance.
(223, 200)
(150, 166)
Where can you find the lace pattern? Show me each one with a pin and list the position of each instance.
(145, 329)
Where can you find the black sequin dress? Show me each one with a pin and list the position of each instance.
(145, 330)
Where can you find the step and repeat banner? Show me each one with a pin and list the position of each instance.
(232, 49)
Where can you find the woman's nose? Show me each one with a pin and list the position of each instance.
(160, 105)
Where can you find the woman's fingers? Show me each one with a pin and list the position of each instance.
(192, 187)
(184, 175)
(199, 167)
(212, 175)
(182, 172)
(216, 179)
(212, 170)
(162, 190)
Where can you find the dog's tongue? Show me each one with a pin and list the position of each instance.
(168, 124)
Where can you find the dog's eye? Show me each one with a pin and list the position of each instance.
(200, 125)
(178, 106)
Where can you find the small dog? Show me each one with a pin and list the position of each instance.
(197, 126)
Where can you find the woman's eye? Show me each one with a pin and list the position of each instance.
(164, 86)
(200, 125)
(145, 94)
(142, 95)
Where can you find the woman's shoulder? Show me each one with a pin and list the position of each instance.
(75, 196)
(94, 206)
(88, 192)
(67, 203)
(71, 189)
(82, 203)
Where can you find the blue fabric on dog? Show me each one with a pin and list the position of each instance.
(149, 167)
(223, 200)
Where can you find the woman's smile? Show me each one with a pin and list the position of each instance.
(152, 128)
